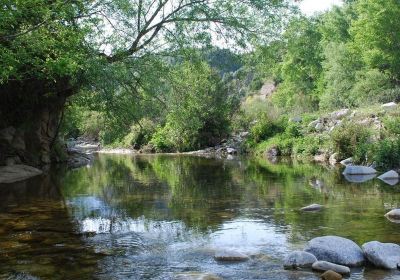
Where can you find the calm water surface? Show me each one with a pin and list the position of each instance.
(164, 217)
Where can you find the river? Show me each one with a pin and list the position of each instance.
(164, 217)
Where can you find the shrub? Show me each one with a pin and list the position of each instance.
(293, 129)
(139, 134)
(369, 86)
(265, 128)
(386, 153)
(349, 140)
(161, 140)
(392, 125)
(307, 146)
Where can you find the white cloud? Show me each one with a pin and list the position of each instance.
(310, 7)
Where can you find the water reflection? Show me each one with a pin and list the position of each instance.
(156, 217)
(37, 236)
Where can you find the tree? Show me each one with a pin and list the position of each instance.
(376, 34)
(49, 51)
(301, 65)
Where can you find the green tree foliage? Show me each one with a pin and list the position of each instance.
(42, 40)
(376, 33)
(301, 65)
(199, 109)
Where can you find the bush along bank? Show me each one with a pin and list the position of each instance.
(369, 136)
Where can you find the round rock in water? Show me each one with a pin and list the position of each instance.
(331, 275)
(389, 175)
(385, 255)
(325, 266)
(299, 259)
(336, 249)
(358, 170)
(228, 255)
(312, 207)
(393, 215)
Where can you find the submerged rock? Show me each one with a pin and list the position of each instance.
(299, 259)
(229, 255)
(384, 255)
(331, 275)
(337, 250)
(358, 170)
(18, 172)
(325, 266)
(312, 207)
(389, 175)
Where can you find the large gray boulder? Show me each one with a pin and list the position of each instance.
(299, 259)
(337, 250)
(325, 266)
(358, 170)
(17, 172)
(384, 255)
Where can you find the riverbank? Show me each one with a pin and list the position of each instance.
(369, 136)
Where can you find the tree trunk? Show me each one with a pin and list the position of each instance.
(29, 118)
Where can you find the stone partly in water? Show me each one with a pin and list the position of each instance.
(18, 172)
(325, 266)
(389, 175)
(299, 259)
(391, 182)
(359, 170)
(331, 275)
(336, 249)
(393, 215)
(384, 255)
(312, 207)
(228, 255)
(359, 178)
(231, 151)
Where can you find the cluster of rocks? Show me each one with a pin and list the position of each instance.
(227, 148)
(329, 122)
(359, 174)
(80, 152)
(335, 256)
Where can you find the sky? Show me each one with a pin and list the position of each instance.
(310, 7)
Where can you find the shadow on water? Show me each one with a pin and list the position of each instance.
(38, 239)
(154, 217)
